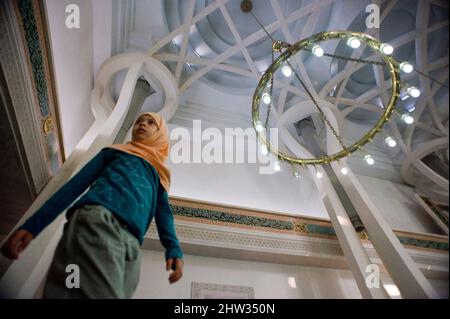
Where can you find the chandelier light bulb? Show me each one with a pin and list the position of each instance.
(369, 159)
(287, 71)
(406, 67)
(277, 166)
(390, 141)
(413, 91)
(259, 126)
(353, 42)
(264, 150)
(319, 174)
(408, 119)
(386, 49)
(266, 98)
(317, 50)
(344, 170)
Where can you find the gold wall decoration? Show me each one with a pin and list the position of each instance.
(48, 125)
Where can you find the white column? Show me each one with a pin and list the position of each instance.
(404, 272)
(351, 245)
(350, 242)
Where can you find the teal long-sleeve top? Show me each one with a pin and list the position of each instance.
(127, 185)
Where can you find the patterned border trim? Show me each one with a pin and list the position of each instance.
(408, 241)
(29, 17)
(243, 218)
(31, 34)
(232, 218)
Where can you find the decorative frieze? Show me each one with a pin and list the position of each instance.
(202, 213)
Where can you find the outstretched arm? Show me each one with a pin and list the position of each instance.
(56, 204)
(166, 230)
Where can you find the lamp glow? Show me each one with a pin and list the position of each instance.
(259, 127)
(277, 166)
(353, 42)
(264, 150)
(390, 141)
(266, 98)
(408, 119)
(291, 282)
(319, 174)
(392, 290)
(406, 67)
(413, 91)
(344, 170)
(317, 51)
(369, 159)
(286, 70)
(386, 49)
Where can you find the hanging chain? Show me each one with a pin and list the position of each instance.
(322, 114)
(432, 79)
(266, 123)
(353, 59)
(381, 63)
(278, 46)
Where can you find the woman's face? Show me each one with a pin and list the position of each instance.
(144, 127)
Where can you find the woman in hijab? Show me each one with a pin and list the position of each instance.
(98, 255)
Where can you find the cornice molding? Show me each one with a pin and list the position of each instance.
(225, 231)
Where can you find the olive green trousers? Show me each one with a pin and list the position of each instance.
(97, 257)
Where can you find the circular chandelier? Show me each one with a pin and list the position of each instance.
(264, 88)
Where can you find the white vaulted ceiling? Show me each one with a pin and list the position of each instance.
(217, 54)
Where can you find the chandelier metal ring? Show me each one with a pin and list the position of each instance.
(375, 45)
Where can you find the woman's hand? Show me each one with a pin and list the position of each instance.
(176, 264)
(16, 243)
